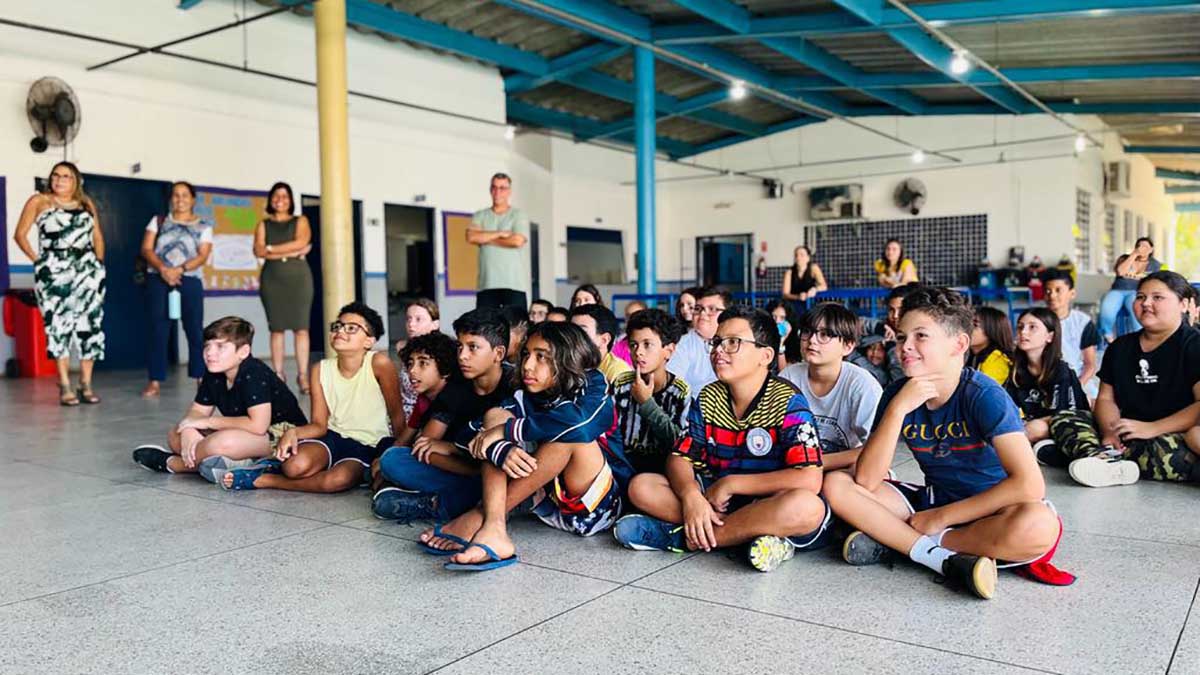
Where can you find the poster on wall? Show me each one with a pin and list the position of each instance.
(462, 259)
(232, 268)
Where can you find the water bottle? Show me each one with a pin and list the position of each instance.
(173, 304)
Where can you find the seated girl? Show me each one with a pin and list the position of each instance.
(991, 344)
(1145, 417)
(1041, 383)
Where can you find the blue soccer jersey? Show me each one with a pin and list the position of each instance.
(953, 444)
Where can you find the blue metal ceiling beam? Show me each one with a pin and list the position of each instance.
(1163, 149)
(188, 4)
(1176, 174)
(566, 65)
(597, 11)
(680, 108)
(948, 13)
(938, 56)
(1183, 189)
(1191, 207)
(870, 11)
(398, 24)
(581, 127)
(737, 18)
(621, 90)
(1130, 71)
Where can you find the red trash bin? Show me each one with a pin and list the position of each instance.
(23, 321)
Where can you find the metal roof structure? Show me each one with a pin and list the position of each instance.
(568, 66)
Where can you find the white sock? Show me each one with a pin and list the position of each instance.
(927, 552)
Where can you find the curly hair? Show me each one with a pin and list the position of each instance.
(440, 347)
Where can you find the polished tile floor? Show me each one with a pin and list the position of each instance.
(106, 568)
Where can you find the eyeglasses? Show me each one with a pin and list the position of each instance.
(732, 344)
(707, 309)
(347, 328)
(821, 337)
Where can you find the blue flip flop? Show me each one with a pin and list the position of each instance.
(437, 532)
(494, 561)
(243, 479)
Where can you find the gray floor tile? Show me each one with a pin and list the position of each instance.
(1142, 587)
(645, 632)
(1146, 509)
(53, 548)
(1187, 655)
(26, 486)
(337, 508)
(333, 601)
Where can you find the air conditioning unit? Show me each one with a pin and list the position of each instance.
(835, 202)
(1116, 179)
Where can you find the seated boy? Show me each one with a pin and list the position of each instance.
(431, 362)
(749, 467)
(983, 497)
(356, 402)
(256, 408)
(538, 309)
(1079, 338)
(841, 395)
(435, 478)
(554, 440)
(651, 401)
(600, 324)
(887, 369)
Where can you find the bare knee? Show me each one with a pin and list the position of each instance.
(300, 466)
(1032, 529)
(800, 511)
(495, 417)
(644, 486)
(1192, 438)
(836, 485)
(339, 479)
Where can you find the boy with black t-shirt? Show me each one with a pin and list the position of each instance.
(651, 401)
(748, 470)
(436, 478)
(256, 409)
(984, 496)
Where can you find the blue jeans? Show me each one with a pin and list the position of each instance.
(1110, 307)
(192, 315)
(455, 494)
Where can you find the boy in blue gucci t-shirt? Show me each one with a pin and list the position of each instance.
(983, 497)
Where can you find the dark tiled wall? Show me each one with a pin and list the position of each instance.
(946, 250)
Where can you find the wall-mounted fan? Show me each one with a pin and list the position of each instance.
(53, 112)
(910, 195)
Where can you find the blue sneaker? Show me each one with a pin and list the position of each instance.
(393, 503)
(644, 533)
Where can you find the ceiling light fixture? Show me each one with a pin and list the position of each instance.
(960, 64)
(1080, 143)
(510, 132)
(737, 90)
(918, 156)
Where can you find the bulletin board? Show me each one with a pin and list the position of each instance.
(462, 259)
(232, 269)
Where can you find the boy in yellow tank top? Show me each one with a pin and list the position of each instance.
(356, 403)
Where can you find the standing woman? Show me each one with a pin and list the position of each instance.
(893, 269)
(286, 286)
(175, 248)
(1131, 268)
(68, 275)
(803, 280)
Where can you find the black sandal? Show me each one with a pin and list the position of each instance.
(66, 397)
(87, 395)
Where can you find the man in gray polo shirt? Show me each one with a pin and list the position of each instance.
(500, 232)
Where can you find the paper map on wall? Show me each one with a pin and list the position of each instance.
(234, 215)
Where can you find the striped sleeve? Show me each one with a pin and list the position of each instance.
(799, 435)
(692, 445)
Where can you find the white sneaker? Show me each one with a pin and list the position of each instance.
(1104, 472)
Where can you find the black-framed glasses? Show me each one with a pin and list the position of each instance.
(732, 344)
(347, 327)
(821, 337)
(707, 309)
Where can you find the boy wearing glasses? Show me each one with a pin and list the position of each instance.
(748, 470)
(356, 403)
(691, 358)
(651, 402)
(256, 409)
(983, 499)
(842, 396)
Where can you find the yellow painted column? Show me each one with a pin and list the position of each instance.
(337, 237)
